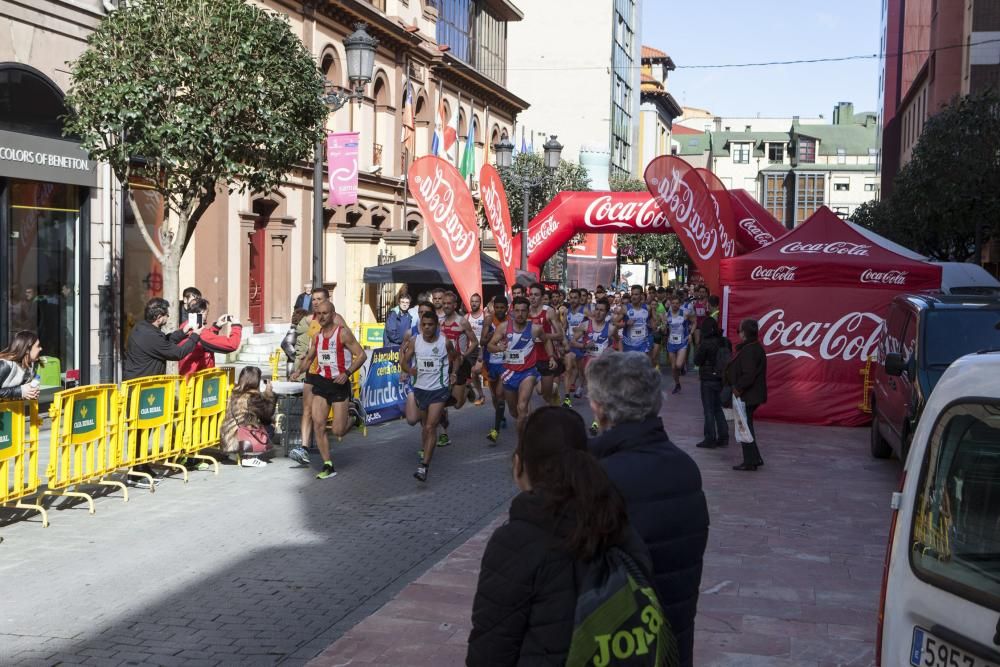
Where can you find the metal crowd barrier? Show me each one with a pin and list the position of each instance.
(85, 444)
(205, 397)
(19, 457)
(150, 430)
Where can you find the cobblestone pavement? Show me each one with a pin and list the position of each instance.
(255, 566)
(792, 570)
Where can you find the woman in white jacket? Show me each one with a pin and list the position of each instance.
(18, 364)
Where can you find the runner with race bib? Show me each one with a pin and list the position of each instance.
(678, 336)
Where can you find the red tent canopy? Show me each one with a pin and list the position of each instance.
(824, 251)
(820, 294)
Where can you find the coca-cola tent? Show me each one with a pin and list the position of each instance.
(820, 294)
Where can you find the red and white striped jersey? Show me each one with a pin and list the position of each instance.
(332, 356)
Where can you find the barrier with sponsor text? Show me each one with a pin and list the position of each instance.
(820, 294)
(382, 394)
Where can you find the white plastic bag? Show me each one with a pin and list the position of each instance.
(741, 427)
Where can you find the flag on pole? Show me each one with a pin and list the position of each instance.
(409, 136)
(524, 145)
(437, 141)
(468, 165)
(531, 143)
(513, 140)
(450, 135)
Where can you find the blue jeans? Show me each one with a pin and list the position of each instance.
(716, 428)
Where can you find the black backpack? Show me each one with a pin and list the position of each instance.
(723, 356)
(618, 618)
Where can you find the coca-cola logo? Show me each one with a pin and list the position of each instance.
(545, 229)
(777, 273)
(853, 337)
(675, 195)
(759, 235)
(493, 204)
(893, 277)
(439, 198)
(728, 244)
(833, 248)
(606, 212)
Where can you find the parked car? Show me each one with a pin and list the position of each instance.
(940, 602)
(923, 334)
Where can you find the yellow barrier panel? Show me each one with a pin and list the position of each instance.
(206, 396)
(85, 442)
(149, 429)
(19, 458)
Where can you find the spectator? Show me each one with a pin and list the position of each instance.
(713, 309)
(711, 368)
(222, 337)
(660, 483)
(568, 512)
(247, 428)
(18, 365)
(187, 296)
(399, 320)
(747, 375)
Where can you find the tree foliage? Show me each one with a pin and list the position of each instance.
(190, 97)
(950, 187)
(664, 249)
(530, 167)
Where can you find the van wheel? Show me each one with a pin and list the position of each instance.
(880, 449)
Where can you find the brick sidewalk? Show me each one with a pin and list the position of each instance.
(792, 571)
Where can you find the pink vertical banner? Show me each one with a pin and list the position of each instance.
(342, 167)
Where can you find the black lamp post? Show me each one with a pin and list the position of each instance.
(360, 48)
(504, 151)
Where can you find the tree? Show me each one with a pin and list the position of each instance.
(950, 189)
(190, 97)
(530, 167)
(665, 249)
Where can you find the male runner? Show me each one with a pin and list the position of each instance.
(454, 327)
(595, 335)
(516, 340)
(430, 358)
(638, 321)
(678, 336)
(552, 332)
(517, 290)
(493, 364)
(476, 318)
(338, 356)
(574, 315)
(437, 298)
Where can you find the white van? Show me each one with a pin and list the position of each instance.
(941, 591)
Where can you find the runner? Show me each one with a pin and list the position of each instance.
(547, 319)
(516, 340)
(637, 320)
(656, 331)
(493, 366)
(338, 356)
(678, 337)
(476, 318)
(454, 326)
(437, 298)
(594, 336)
(431, 359)
(575, 314)
(517, 290)
(410, 410)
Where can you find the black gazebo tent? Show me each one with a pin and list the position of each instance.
(427, 268)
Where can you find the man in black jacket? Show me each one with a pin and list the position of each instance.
(711, 369)
(660, 483)
(149, 349)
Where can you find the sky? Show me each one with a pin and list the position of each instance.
(709, 32)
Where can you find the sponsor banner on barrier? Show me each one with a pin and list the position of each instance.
(446, 204)
(84, 418)
(209, 393)
(372, 335)
(6, 434)
(151, 406)
(382, 394)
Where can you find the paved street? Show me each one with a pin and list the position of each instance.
(792, 571)
(267, 566)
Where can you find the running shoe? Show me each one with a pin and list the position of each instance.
(594, 428)
(421, 473)
(327, 471)
(253, 462)
(443, 440)
(567, 402)
(677, 388)
(493, 435)
(299, 455)
(479, 401)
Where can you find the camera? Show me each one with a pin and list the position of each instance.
(196, 320)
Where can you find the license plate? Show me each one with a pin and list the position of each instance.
(930, 651)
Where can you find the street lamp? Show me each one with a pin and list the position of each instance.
(360, 48)
(504, 151)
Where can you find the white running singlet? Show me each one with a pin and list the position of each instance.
(431, 362)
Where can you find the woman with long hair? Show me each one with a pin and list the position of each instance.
(247, 427)
(568, 512)
(18, 364)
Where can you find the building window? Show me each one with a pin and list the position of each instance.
(491, 46)
(841, 156)
(774, 195)
(775, 153)
(842, 187)
(807, 150)
(454, 27)
(870, 187)
(872, 156)
(810, 190)
(741, 153)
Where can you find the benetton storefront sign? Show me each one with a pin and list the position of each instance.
(35, 158)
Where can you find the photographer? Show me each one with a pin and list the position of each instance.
(222, 337)
(149, 349)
